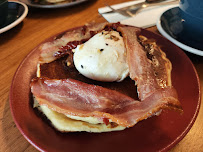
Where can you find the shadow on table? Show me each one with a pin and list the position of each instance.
(196, 59)
(10, 34)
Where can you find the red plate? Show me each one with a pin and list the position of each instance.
(158, 133)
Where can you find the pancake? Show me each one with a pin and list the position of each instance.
(64, 123)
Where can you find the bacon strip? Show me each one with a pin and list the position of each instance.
(150, 73)
(73, 97)
(48, 49)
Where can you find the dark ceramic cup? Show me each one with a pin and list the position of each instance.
(3, 11)
(191, 12)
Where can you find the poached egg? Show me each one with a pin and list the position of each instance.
(102, 58)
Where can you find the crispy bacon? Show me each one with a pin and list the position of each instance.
(150, 74)
(49, 49)
(73, 97)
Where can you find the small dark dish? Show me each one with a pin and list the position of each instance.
(17, 11)
(172, 26)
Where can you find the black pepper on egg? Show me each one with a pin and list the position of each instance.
(82, 66)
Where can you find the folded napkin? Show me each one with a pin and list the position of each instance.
(145, 18)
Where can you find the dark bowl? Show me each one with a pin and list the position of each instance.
(3, 11)
(193, 26)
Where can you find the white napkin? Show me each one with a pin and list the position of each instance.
(145, 18)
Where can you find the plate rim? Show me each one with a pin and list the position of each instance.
(16, 22)
(179, 44)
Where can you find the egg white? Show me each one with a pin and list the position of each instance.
(102, 58)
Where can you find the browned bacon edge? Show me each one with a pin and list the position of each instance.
(60, 45)
(73, 97)
(149, 67)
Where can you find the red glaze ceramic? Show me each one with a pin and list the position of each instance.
(158, 133)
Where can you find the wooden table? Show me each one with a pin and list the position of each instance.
(39, 25)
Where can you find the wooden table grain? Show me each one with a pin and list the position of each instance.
(40, 24)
